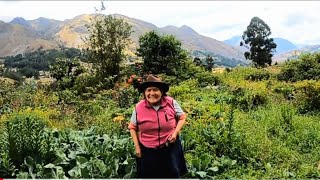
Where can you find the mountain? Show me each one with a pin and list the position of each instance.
(283, 45)
(17, 39)
(191, 40)
(43, 27)
(295, 53)
(20, 36)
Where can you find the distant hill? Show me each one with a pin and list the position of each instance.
(283, 45)
(295, 53)
(17, 39)
(20, 36)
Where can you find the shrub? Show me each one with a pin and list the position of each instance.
(285, 89)
(13, 75)
(308, 96)
(26, 137)
(247, 99)
(307, 67)
(257, 75)
(207, 78)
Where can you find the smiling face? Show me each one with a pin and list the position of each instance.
(153, 95)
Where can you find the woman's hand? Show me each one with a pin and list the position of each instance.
(138, 151)
(173, 137)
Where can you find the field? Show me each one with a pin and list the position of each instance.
(247, 124)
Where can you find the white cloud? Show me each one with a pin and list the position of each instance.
(297, 21)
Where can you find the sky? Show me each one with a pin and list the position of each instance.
(296, 21)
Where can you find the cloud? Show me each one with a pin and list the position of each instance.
(297, 21)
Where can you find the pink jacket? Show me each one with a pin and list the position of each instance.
(155, 127)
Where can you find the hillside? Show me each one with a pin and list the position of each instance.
(16, 39)
(49, 33)
(283, 45)
(295, 53)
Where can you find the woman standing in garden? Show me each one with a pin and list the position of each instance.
(155, 125)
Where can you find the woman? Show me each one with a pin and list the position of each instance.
(155, 126)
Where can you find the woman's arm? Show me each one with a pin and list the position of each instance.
(180, 124)
(134, 136)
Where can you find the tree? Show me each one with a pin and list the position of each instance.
(1, 69)
(197, 61)
(261, 47)
(65, 71)
(107, 40)
(161, 54)
(210, 63)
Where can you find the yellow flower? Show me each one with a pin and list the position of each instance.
(118, 118)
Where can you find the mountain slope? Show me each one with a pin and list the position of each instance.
(16, 39)
(43, 27)
(71, 31)
(283, 45)
(295, 53)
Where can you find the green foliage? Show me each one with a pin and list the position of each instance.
(1, 69)
(238, 126)
(258, 75)
(107, 40)
(29, 72)
(13, 75)
(82, 154)
(307, 67)
(161, 54)
(184, 88)
(26, 137)
(219, 59)
(285, 89)
(207, 78)
(210, 63)
(66, 72)
(244, 98)
(7, 169)
(220, 148)
(261, 47)
(308, 96)
(31, 63)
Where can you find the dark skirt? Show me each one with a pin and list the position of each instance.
(166, 162)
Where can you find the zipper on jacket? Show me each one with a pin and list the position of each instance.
(158, 127)
(165, 114)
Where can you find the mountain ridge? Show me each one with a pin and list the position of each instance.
(70, 31)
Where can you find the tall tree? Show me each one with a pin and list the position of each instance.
(210, 63)
(1, 69)
(107, 40)
(161, 54)
(256, 38)
(197, 61)
(66, 71)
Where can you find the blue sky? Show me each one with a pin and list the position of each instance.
(297, 21)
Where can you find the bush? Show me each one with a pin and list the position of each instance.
(247, 99)
(308, 96)
(26, 137)
(286, 90)
(29, 72)
(13, 75)
(207, 78)
(258, 75)
(307, 67)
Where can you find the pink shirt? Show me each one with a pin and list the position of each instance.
(155, 127)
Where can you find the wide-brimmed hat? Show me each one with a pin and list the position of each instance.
(155, 81)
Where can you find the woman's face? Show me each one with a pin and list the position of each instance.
(153, 95)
